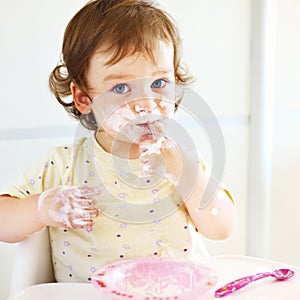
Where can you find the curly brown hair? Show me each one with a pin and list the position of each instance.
(125, 27)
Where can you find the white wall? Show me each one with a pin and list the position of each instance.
(217, 47)
(285, 221)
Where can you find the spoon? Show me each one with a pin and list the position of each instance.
(229, 288)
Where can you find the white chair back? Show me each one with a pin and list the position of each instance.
(32, 262)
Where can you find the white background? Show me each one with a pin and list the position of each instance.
(217, 47)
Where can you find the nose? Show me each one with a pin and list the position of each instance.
(146, 105)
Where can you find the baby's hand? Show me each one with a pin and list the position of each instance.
(161, 157)
(69, 206)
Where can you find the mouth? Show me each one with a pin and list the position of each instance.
(148, 119)
(145, 125)
(151, 131)
(152, 127)
(139, 129)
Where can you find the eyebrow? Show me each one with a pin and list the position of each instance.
(126, 77)
(163, 72)
(117, 77)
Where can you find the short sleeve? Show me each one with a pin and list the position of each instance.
(203, 165)
(39, 176)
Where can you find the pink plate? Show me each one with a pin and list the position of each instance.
(155, 278)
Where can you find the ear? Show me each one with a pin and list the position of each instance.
(81, 100)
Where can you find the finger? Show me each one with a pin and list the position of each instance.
(89, 191)
(85, 203)
(81, 192)
(79, 212)
(82, 220)
(82, 223)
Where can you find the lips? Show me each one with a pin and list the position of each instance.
(147, 118)
(148, 129)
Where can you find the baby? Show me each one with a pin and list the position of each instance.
(129, 190)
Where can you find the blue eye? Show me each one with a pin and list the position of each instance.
(159, 83)
(121, 88)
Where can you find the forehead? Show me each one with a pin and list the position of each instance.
(137, 64)
(108, 56)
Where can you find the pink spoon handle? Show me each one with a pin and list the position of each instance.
(235, 285)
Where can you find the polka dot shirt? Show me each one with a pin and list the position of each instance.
(140, 216)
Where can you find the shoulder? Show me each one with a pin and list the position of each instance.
(67, 152)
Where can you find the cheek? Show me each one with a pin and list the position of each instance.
(117, 119)
(167, 109)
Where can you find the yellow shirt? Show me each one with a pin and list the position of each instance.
(140, 217)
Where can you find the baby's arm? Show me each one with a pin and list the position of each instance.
(18, 218)
(62, 206)
(216, 219)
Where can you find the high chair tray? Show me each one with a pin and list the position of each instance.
(228, 268)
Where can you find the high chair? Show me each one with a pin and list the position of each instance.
(32, 263)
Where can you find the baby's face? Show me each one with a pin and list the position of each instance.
(132, 97)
